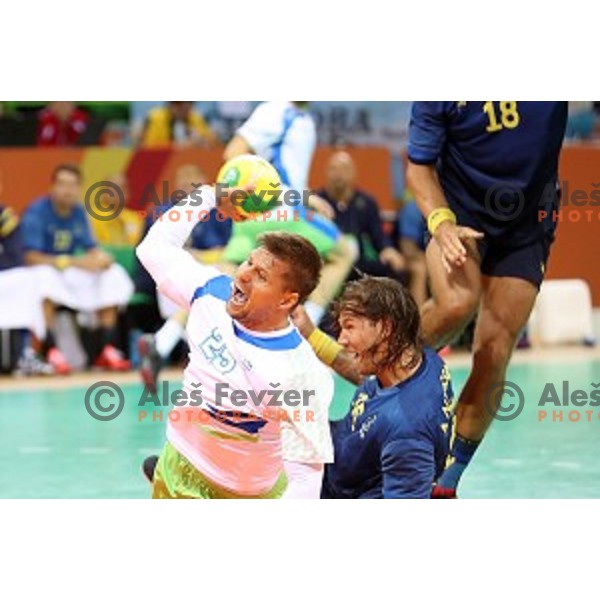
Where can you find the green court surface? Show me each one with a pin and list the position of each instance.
(51, 448)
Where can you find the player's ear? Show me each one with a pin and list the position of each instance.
(290, 301)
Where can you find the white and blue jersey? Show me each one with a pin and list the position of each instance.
(286, 136)
(242, 444)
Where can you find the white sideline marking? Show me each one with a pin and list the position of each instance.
(34, 449)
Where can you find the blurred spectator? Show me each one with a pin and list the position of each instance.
(11, 247)
(580, 124)
(61, 124)
(412, 230)
(126, 228)
(357, 214)
(175, 123)
(230, 115)
(56, 233)
(23, 293)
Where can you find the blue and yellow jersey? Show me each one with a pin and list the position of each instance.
(11, 247)
(497, 161)
(394, 441)
(44, 230)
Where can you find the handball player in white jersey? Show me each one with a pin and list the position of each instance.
(221, 445)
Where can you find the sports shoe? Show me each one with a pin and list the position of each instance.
(149, 466)
(441, 493)
(112, 359)
(151, 361)
(31, 363)
(56, 359)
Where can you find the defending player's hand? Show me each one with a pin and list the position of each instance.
(302, 321)
(451, 237)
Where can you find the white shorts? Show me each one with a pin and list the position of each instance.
(87, 291)
(22, 292)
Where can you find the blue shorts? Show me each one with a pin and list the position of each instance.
(523, 253)
(526, 261)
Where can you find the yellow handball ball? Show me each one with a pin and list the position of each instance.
(251, 170)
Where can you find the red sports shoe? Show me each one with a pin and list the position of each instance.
(442, 493)
(56, 359)
(112, 359)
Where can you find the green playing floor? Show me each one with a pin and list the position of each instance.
(51, 448)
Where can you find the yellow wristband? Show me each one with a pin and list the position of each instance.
(62, 262)
(437, 217)
(325, 348)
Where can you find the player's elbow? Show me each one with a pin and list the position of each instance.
(412, 173)
(416, 174)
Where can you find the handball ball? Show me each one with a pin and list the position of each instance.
(251, 170)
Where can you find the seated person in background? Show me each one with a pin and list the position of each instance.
(394, 441)
(20, 303)
(61, 124)
(23, 293)
(176, 123)
(126, 228)
(206, 244)
(56, 232)
(412, 230)
(357, 214)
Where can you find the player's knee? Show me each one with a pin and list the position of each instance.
(495, 347)
(459, 308)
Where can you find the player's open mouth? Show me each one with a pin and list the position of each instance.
(238, 297)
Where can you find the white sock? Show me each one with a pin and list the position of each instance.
(314, 311)
(168, 336)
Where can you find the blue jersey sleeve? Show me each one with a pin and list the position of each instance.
(426, 132)
(32, 231)
(11, 248)
(411, 224)
(408, 466)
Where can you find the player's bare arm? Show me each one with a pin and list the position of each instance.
(343, 363)
(238, 145)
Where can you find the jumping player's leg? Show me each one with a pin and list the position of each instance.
(454, 296)
(506, 305)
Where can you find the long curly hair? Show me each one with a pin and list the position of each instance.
(386, 301)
